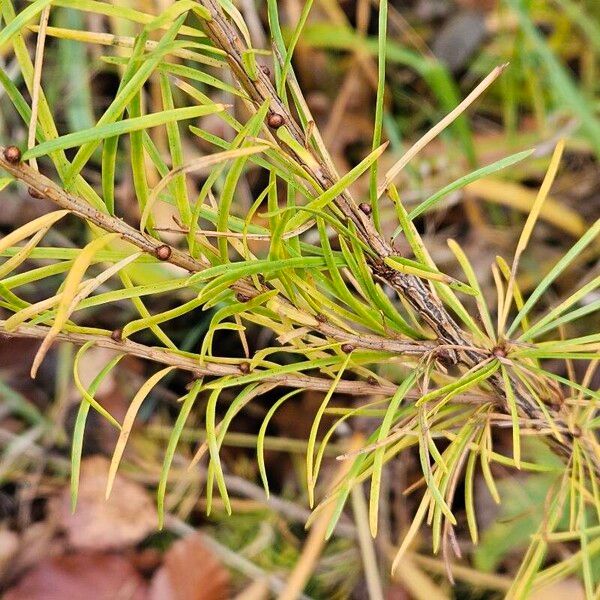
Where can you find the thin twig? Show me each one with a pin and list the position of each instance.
(260, 90)
(47, 188)
(167, 357)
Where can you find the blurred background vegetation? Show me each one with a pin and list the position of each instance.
(438, 50)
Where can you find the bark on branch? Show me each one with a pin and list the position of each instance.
(208, 369)
(44, 187)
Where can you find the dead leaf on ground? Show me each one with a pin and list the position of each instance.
(396, 592)
(93, 576)
(9, 545)
(98, 524)
(190, 572)
(37, 542)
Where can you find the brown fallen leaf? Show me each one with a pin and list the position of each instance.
(98, 524)
(93, 576)
(37, 542)
(147, 560)
(190, 572)
(396, 592)
(9, 545)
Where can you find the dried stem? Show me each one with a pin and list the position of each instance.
(168, 357)
(207, 369)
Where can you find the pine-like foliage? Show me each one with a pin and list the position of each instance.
(435, 368)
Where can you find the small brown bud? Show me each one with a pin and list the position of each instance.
(241, 297)
(35, 194)
(321, 318)
(117, 335)
(163, 252)
(366, 208)
(275, 121)
(244, 368)
(12, 155)
(348, 348)
(499, 352)
(372, 381)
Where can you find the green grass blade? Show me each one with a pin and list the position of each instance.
(379, 106)
(561, 82)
